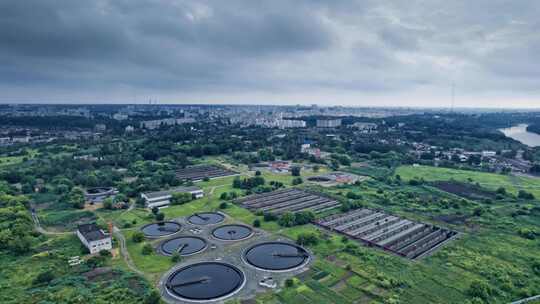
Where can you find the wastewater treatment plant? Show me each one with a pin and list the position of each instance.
(222, 259)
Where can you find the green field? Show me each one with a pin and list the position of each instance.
(487, 180)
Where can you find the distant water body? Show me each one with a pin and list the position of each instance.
(520, 134)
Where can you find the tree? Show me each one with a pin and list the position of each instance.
(303, 217)
(237, 183)
(105, 253)
(295, 171)
(297, 181)
(287, 220)
(160, 217)
(181, 198)
(137, 237)
(108, 203)
(155, 210)
(256, 223)
(223, 205)
(76, 198)
(257, 173)
(224, 196)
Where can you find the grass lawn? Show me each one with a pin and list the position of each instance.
(488, 180)
(13, 160)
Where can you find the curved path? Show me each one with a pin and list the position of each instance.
(124, 252)
(42, 230)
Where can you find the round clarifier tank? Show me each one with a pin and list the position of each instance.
(206, 218)
(160, 229)
(232, 232)
(183, 245)
(276, 256)
(205, 281)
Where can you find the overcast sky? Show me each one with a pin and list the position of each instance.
(385, 53)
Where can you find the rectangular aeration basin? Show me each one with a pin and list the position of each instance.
(391, 233)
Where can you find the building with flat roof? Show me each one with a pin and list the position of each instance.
(94, 238)
(163, 198)
(328, 123)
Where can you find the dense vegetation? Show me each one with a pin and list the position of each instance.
(495, 259)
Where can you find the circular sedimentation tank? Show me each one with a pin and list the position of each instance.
(205, 281)
(206, 218)
(98, 190)
(232, 232)
(160, 229)
(183, 245)
(276, 256)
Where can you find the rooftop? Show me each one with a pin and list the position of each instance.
(151, 195)
(91, 232)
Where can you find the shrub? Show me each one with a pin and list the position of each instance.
(175, 258)
(527, 233)
(287, 220)
(223, 205)
(43, 277)
(536, 267)
(160, 217)
(289, 283)
(269, 217)
(257, 223)
(104, 253)
(152, 298)
(480, 290)
(307, 239)
(181, 198)
(147, 249)
(525, 195)
(137, 237)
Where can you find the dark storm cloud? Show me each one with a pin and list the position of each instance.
(94, 49)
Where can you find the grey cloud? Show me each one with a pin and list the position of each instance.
(96, 48)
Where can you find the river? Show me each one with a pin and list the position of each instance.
(520, 134)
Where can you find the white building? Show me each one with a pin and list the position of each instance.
(328, 123)
(120, 117)
(154, 124)
(290, 123)
(94, 238)
(489, 153)
(163, 198)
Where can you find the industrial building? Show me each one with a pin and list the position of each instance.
(94, 238)
(162, 198)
